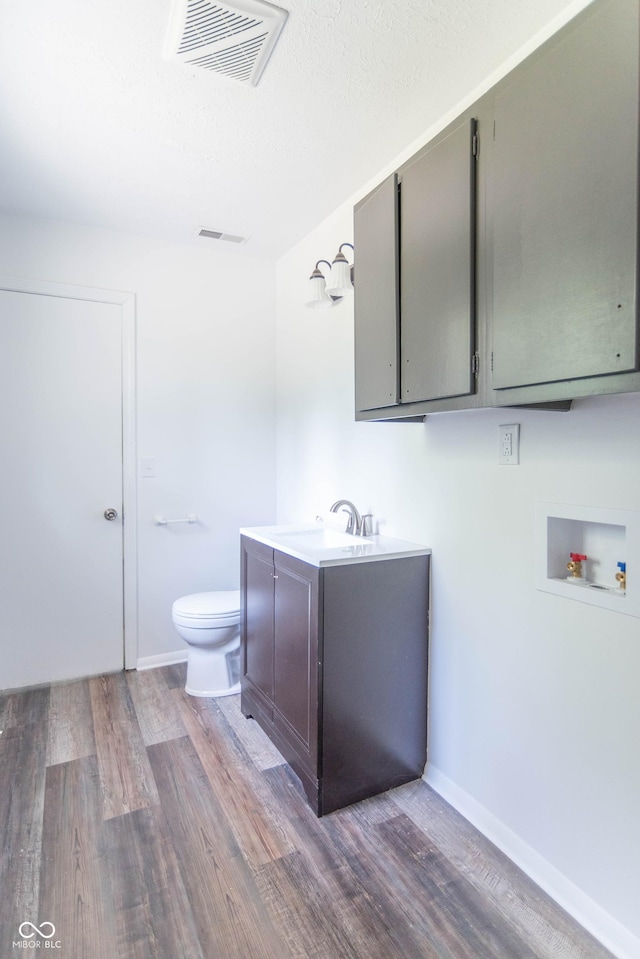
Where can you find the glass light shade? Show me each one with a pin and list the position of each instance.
(339, 282)
(318, 299)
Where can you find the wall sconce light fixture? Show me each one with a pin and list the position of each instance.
(325, 292)
(318, 297)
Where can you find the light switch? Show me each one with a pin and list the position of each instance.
(148, 466)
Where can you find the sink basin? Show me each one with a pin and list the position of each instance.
(321, 538)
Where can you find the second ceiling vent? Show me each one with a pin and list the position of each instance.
(236, 41)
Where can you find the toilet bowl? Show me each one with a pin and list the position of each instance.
(210, 625)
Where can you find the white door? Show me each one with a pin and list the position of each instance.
(61, 561)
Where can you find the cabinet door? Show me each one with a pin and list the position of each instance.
(296, 654)
(257, 589)
(564, 206)
(437, 244)
(376, 297)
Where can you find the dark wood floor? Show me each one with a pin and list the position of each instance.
(144, 823)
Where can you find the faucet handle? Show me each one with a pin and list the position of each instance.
(366, 528)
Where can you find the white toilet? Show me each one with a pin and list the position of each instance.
(210, 624)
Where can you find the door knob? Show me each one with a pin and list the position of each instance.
(110, 513)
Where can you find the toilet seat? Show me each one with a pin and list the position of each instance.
(206, 610)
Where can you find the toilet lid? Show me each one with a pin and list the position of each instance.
(215, 605)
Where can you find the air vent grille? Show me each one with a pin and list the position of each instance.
(234, 40)
(219, 235)
(208, 23)
(237, 61)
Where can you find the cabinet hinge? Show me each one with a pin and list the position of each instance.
(475, 364)
(492, 361)
(475, 144)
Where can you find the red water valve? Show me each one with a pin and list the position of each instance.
(574, 566)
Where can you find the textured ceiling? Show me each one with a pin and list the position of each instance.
(97, 128)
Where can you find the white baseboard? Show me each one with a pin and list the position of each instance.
(607, 930)
(163, 659)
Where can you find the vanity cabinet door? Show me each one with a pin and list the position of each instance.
(296, 623)
(257, 597)
(281, 623)
(563, 208)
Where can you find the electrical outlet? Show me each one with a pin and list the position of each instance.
(509, 445)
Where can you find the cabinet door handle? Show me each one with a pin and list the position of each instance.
(275, 575)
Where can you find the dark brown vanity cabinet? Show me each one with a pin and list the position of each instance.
(518, 285)
(335, 669)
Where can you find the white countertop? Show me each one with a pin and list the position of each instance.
(321, 545)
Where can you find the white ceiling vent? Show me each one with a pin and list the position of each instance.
(233, 40)
(219, 235)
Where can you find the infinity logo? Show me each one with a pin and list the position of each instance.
(40, 931)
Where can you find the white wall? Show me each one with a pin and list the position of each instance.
(535, 714)
(534, 705)
(205, 396)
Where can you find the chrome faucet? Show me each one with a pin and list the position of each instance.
(356, 525)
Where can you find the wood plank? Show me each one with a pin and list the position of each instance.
(301, 904)
(23, 707)
(407, 876)
(153, 916)
(255, 822)
(524, 906)
(440, 902)
(368, 914)
(175, 675)
(74, 892)
(259, 748)
(22, 790)
(125, 774)
(70, 727)
(232, 920)
(377, 809)
(157, 715)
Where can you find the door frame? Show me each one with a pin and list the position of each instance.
(127, 303)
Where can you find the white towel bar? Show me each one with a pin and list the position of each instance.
(163, 521)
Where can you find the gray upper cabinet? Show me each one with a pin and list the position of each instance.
(415, 285)
(501, 267)
(377, 305)
(437, 244)
(563, 207)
